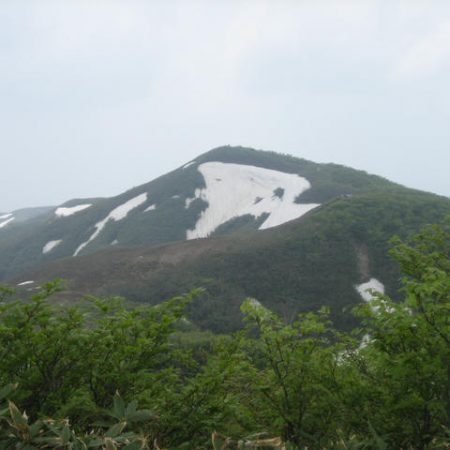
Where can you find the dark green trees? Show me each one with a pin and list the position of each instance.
(384, 386)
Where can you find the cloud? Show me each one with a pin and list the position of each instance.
(426, 56)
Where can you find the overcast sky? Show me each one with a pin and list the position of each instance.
(99, 96)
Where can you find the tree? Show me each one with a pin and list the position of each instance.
(407, 360)
(292, 368)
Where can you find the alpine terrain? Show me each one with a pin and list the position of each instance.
(292, 234)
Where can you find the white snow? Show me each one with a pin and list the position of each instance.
(24, 283)
(64, 211)
(3, 224)
(188, 164)
(188, 201)
(365, 341)
(116, 214)
(364, 289)
(175, 196)
(150, 208)
(50, 245)
(5, 216)
(234, 190)
(255, 303)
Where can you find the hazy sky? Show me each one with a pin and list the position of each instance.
(99, 96)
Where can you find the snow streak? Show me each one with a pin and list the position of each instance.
(116, 214)
(8, 220)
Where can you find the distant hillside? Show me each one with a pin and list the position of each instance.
(23, 215)
(220, 192)
(318, 259)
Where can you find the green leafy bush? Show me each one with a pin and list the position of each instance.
(276, 384)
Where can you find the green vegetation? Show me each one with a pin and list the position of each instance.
(112, 377)
(290, 269)
(21, 245)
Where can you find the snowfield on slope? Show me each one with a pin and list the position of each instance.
(50, 245)
(234, 190)
(63, 211)
(116, 214)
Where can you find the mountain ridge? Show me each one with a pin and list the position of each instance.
(22, 247)
(320, 258)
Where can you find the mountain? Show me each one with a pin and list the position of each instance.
(23, 215)
(291, 233)
(226, 189)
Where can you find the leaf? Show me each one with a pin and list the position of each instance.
(6, 390)
(131, 408)
(109, 444)
(116, 429)
(66, 434)
(119, 406)
(35, 429)
(16, 415)
(140, 416)
(96, 442)
(134, 446)
(50, 441)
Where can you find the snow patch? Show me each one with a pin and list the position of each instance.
(175, 196)
(25, 283)
(257, 306)
(3, 224)
(150, 208)
(116, 214)
(64, 211)
(255, 303)
(365, 341)
(114, 242)
(188, 201)
(5, 216)
(50, 245)
(231, 190)
(189, 164)
(365, 288)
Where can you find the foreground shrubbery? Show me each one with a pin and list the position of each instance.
(110, 377)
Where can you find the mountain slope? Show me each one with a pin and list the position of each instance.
(22, 215)
(221, 191)
(319, 259)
